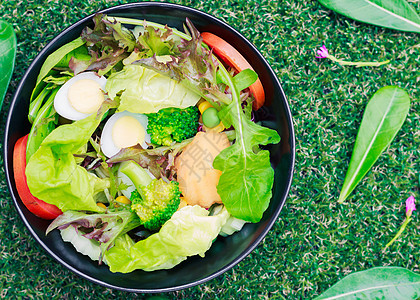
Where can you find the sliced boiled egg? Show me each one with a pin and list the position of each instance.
(81, 96)
(122, 130)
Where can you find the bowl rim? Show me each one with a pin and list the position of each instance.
(271, 221)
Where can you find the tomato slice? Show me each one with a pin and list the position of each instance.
(34, 205)
(234, 59)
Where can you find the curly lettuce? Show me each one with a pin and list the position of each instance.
(195, 68)
(108, 43)
(101, 229)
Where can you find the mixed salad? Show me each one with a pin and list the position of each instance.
(142, 148)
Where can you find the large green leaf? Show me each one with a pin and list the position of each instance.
(376, 283)
(394, 14)
(383, 117)
(7, 56)
(244, 165)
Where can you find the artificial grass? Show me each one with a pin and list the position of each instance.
(315, 242)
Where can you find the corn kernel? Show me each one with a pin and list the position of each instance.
(218, 128)
(123, 200)
(101, 205)
(203, 106)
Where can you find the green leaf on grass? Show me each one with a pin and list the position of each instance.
(394, 14)
(383, 117)
(7, 56)
(376, 283)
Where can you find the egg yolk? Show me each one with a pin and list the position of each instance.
(127, 132)
(85, 95)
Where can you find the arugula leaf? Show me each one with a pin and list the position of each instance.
(244, 165)
(52, 81)
(59, 79)
(36, 103)
(79, 53)
(7, 56)
(244, 79)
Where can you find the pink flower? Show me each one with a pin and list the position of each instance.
(410, 206)
(322, 52)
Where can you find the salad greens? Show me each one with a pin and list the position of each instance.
(104, 228)
(195, 68)
(52, 60)
(44, 123)
(163, 250)
(53, 174)
(145, 92)
(7, 56)
(148, 69)
(244, 165)
(83, 245)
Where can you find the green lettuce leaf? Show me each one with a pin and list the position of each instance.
(146, 91)
(53, 174)
(244, 164)
(189, 232)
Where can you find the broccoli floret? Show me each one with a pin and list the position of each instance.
(154, 200)
(159, 202)
(171, 125)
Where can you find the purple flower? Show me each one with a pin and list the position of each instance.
(322, 52)
(410, 206)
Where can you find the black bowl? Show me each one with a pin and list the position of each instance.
(225, 252)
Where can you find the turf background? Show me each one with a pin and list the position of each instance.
(315, 242)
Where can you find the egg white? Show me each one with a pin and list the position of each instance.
(108, 146)
(61, 102)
